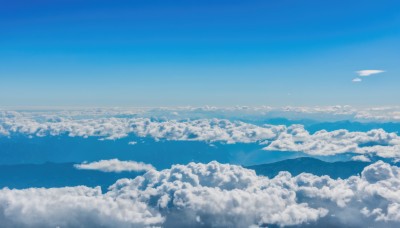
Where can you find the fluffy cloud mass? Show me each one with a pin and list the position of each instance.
(213, 195)
(375, 142)
(210, 130)
(274, 137)
(115, 165)
(72, 207)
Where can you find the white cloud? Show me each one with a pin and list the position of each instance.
(213, 195)
(275, 137)
(210, 130)
(375, 142)
(115, 165)
(117, 123)
(72, 207)
(357, 80)
(364, 73)
(379, 114)
(185, 195)
(362, 158)
(361, 201)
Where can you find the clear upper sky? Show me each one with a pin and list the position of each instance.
(203, 52)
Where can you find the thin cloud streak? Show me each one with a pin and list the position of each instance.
(365, 73)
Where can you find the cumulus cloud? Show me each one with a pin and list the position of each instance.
(213, 195)
(368, 200)
(375, 142)
(115, 165)
(362, 158)
(379, 113)
(72, 207)
(364, 73)
(210, 130)
(357, 80)
(186, 195)
(274, 137)
(115, 124)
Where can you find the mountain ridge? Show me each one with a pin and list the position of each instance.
(296, 166)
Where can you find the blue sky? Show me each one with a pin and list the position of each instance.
(168, 53)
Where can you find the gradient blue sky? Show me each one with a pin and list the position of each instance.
(204, 52)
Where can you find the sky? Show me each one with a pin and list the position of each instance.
(316, 70)
(223, 53)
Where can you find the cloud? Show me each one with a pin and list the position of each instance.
(369, 200)
(213, 194)
(186, 195)
(364, 73)
(357, 80)
(209, 130)
(115, 165)
(379, 114)
(113, 124)
(324, 143)
(274, 137)
(72, 207)
(362, 158)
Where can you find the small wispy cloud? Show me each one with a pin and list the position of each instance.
(115, 165)
(365, 73)
(361, 158)
(357, 80)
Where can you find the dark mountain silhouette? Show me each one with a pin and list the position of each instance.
(311, 165)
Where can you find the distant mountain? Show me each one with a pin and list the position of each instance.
(353, 126)
(311, 165)
(313, 125)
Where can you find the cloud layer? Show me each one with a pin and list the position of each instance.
(373, 142)
(115, 165)
(210, 130)
(213, 195)
(274, 137)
